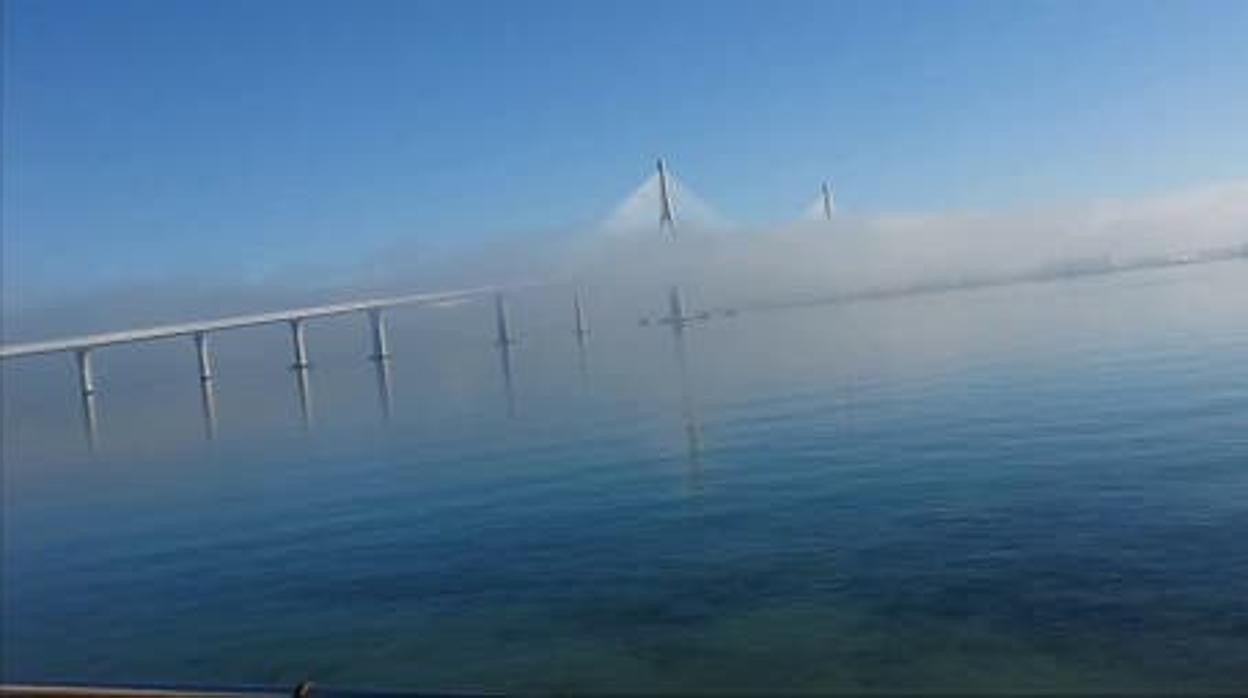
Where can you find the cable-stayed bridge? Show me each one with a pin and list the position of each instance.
(664, 199)
(657, 205)
(662, 206)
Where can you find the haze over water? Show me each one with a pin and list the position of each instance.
(1038, 486)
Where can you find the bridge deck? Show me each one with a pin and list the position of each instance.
(189, 328)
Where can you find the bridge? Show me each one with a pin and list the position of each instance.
(660, 200)
(84, 348)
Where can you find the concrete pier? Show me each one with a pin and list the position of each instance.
(377, 327)
(299, 344)
(502, 325)
(676, 307)
(301, 365)
(202, 356)
(82, 347)
(207, 396)
(86, 387)
(581, 327)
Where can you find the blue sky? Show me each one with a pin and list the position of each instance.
(223, 139)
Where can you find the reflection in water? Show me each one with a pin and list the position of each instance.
(688, 406)
(578, 317)
(974, 465)
(207, 396)
(582, 358)
(509, 391)
(503, 340)
(305, 396)
(678, 320)
(384, 399)
(89, 428)
(581, 328)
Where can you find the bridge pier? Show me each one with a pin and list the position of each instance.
(300, 346)
(578, 315)
(581, 328)
(381, 359)
(502, 324)
(201, 353)
(207, 394)
(504, 341)
(377, 324)
(676, 305)
(86, 386)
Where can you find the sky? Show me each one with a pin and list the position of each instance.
(232, 140)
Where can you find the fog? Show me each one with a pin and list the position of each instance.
(730, 264)
(623, 268)
(857, 253)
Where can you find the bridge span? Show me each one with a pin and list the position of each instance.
(83, 347)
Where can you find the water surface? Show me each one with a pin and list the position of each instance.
(1034, 487)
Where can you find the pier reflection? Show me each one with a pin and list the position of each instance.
(581, 329)
(304, 388)
(383, 368)
(208, 400)
(385, 400)
(90, 428)
(688, 405)
(679, 321)
(509, 390)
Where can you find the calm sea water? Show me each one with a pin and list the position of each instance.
(1037, 487)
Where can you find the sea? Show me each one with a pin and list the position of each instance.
(1034, 487)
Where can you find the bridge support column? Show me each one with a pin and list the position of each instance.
(300, 366)
(207, 394)
(377, 323)
(578, 316)
(86, 386)
(504, 341)
(299, 344)
(676, 306)
(203, 357)
(502, 325)
(381, 358)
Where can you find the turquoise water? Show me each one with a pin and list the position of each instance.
(1038, 487)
